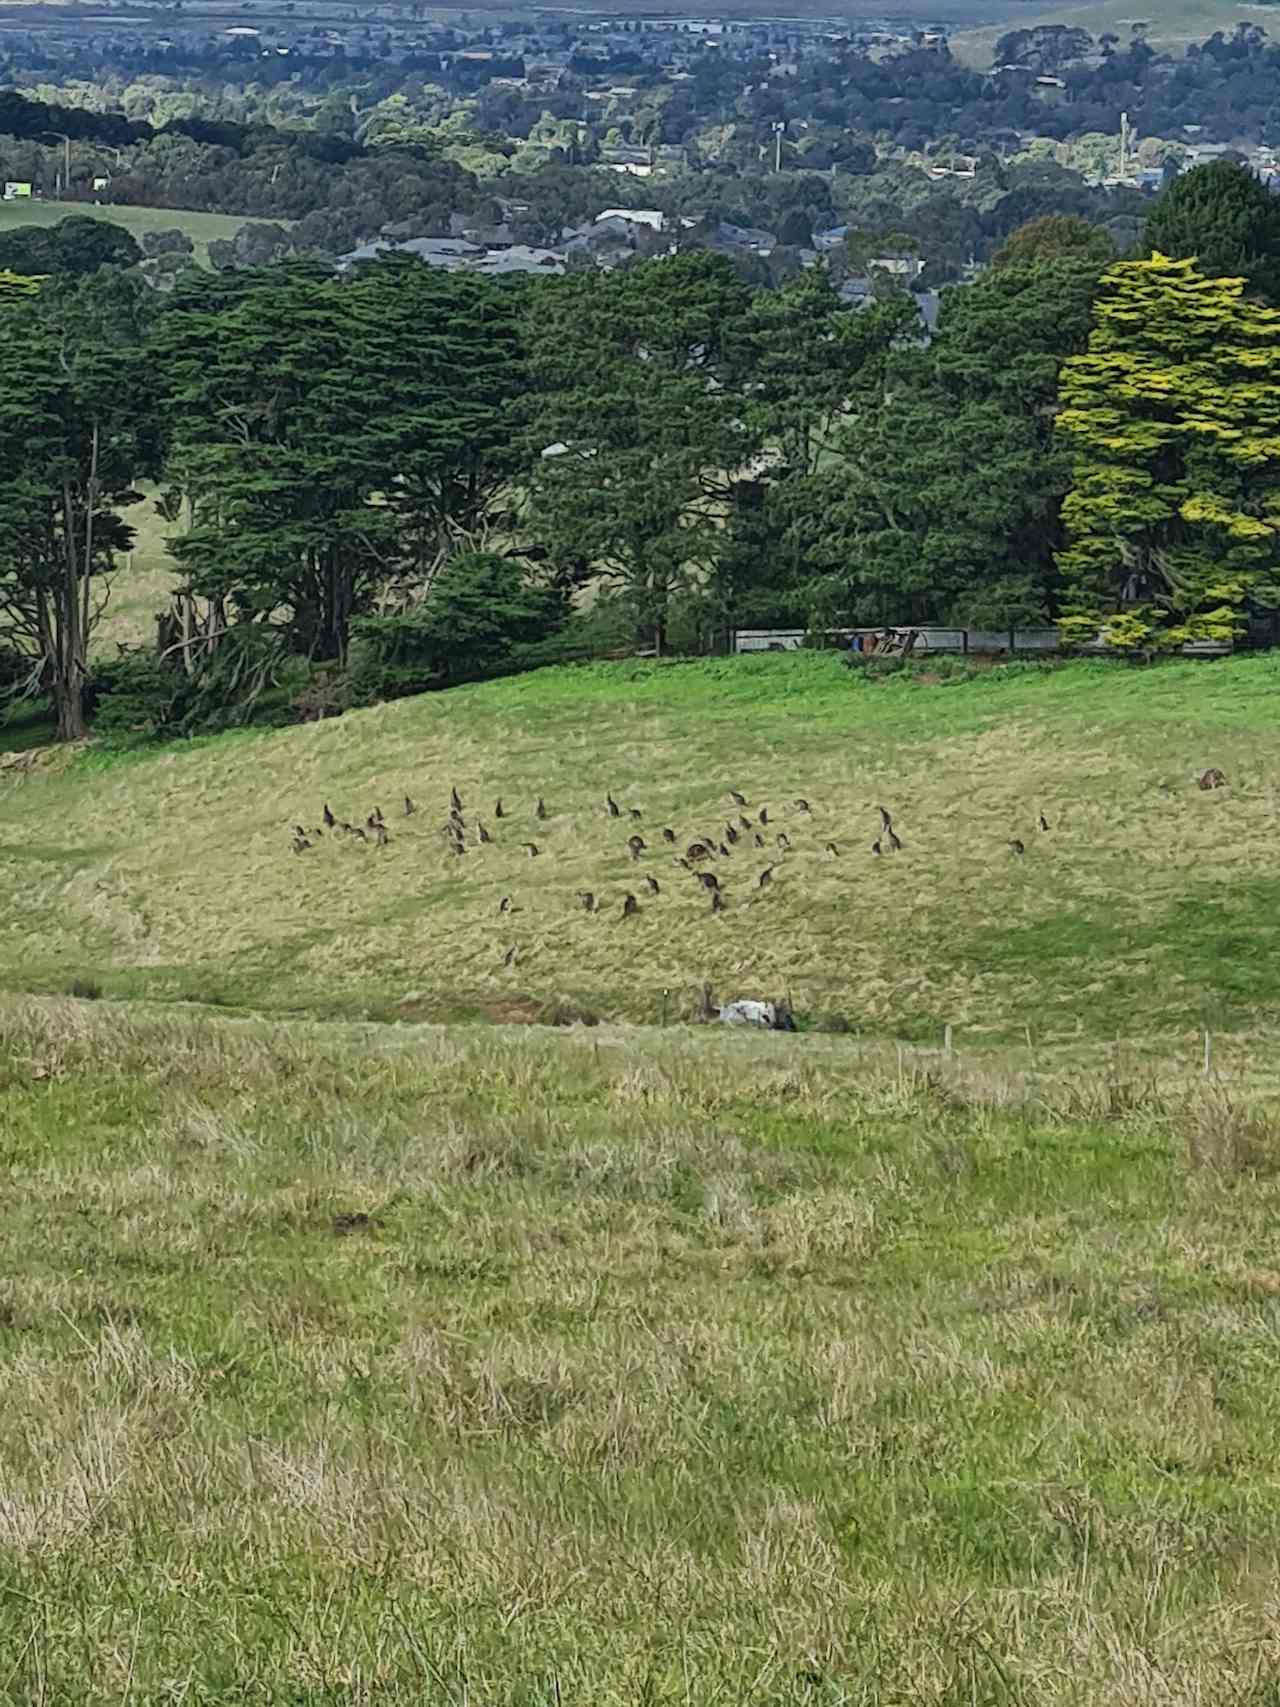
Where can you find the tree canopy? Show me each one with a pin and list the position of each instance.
(1173, 419)
(1225, 220)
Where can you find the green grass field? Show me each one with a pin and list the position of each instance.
(1148, 908)
(200, 227)
(142, 586)
(399, 1364)
(356, 1362)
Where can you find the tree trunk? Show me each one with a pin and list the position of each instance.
(68, 640)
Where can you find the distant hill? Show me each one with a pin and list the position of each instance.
(202, 228)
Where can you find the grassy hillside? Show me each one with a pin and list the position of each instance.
(1173, 23)
(347, 1364)
(201, 228)
(1149, 907)
(141, 588)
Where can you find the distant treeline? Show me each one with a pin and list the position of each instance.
(387, 481)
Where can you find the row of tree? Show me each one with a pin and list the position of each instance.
(405, 475)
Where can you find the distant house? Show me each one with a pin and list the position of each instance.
(897, 266)
(860, 293)
(729, 239)
(646, 216)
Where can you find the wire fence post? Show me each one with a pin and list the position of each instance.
(1208, 1055)
(946, 1040)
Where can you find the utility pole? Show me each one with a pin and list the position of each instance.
(66, 157)
(779, 125)
(1124, 142)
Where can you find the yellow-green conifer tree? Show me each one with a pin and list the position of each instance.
(1173, 416)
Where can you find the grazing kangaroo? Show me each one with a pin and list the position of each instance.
(455, 800)
(1044, 822)
(737, 799)
(697, 850)
(668, 835)
(504, 906)
(1213, 779)
(894, 843)
(833, 850)
(409, 807)
(497, 808)
(380, 835)
(329, 819)
(636, 813)
(651, 884)
(875, 848)
(783, 839)
(531, 848)
(708, 879)
(886, 822)
(1019, 848)
(765, 878)
(802, 805)
(615, 811)
(730, 834)
(540, 810)
(508, 958)
(586, 900)
(759, 839)
(482, 835)
(637, 844)
(630, 906)
(717, 901)
(764, 814)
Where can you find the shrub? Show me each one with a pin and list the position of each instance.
(478, 616)
(134, 699)
(85, 989)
